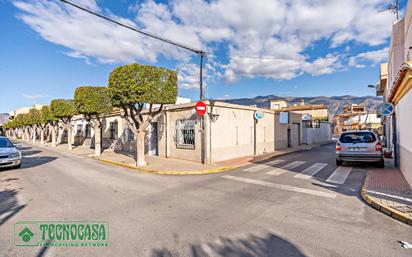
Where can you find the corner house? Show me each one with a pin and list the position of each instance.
(229, 131)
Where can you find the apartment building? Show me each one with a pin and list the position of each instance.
(308, 111)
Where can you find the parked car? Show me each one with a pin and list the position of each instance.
(10, 156)
(359, 146)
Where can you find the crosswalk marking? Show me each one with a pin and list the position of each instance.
(280, 171)
(340, 175)
(312, 170)
(274, 162)
(255, 168)
(259, 167)
(280, 186)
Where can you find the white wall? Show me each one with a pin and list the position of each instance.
(317, 135)
(404, 124)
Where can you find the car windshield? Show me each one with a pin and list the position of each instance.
(4, 142)
(358, 137)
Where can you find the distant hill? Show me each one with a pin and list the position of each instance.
(335, 104)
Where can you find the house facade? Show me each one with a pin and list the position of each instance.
(227, 131)
(395, 86)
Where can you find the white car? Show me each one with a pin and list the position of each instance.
(359, 146)
(10, 157)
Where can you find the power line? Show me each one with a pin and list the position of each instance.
(201, 53)
(133, 28)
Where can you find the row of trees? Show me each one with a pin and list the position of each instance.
(134, 88)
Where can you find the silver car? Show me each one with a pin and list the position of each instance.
(359, 146)
(10, 157)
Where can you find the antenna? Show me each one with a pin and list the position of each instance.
(393, 7)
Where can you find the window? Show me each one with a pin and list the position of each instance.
(185, 134)
(358, 137)
(129, 136)
(79, 130)
(88, 131)
(113, 130)
(5, 143)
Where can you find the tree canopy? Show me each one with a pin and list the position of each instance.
(33, 117)
(92, 101)
(138, 83)
(47, 115)
(63, 109)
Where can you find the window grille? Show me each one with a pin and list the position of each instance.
(129, 135)
(88, 131)
(185, 134)
(113, 130)
(79, 130)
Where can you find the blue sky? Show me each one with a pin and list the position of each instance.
(47, 50)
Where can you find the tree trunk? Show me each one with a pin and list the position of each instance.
(42, 135)
(140, 158)
(69, 136)
(53, 134)
(33, 133)
(97, 138)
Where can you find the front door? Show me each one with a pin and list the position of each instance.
(152, 139)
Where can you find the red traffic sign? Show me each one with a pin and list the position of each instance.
(201, 108)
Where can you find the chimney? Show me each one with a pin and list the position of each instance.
(302, 102)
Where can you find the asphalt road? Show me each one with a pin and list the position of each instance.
(259, 210)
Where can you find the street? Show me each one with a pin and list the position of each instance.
(299, 204)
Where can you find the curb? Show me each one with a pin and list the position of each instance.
(385, 209)
(168, 172)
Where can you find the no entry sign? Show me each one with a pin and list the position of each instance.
(201, 108)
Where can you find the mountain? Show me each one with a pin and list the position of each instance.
(335, 104)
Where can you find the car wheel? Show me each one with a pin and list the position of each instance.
(338, 163)
(17, 167)
(381, 163)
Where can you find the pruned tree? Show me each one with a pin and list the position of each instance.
(93, 102)
(134, 85)
(64, 110)
(19, 122)
(47, 119)
(33, 120)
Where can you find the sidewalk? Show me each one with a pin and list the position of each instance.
(387, 190)
(168, 166)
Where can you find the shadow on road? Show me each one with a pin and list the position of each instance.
(9, 205)
(30, 162)
(28, 153)
(252, 246)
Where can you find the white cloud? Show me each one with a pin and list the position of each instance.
(251, 28)
(368, 58)
(33, 97)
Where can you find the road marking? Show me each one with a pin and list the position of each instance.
(274, 162)
(312, 170)
(255, 168)
(281, 170)
(340, 175)
(280, 186)
(262, 166)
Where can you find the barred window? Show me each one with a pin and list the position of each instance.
(185, 134)
(79, 130)
(88, 131)
(113, 130)
(129, 136)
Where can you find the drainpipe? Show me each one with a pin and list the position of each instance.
(395, 140)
